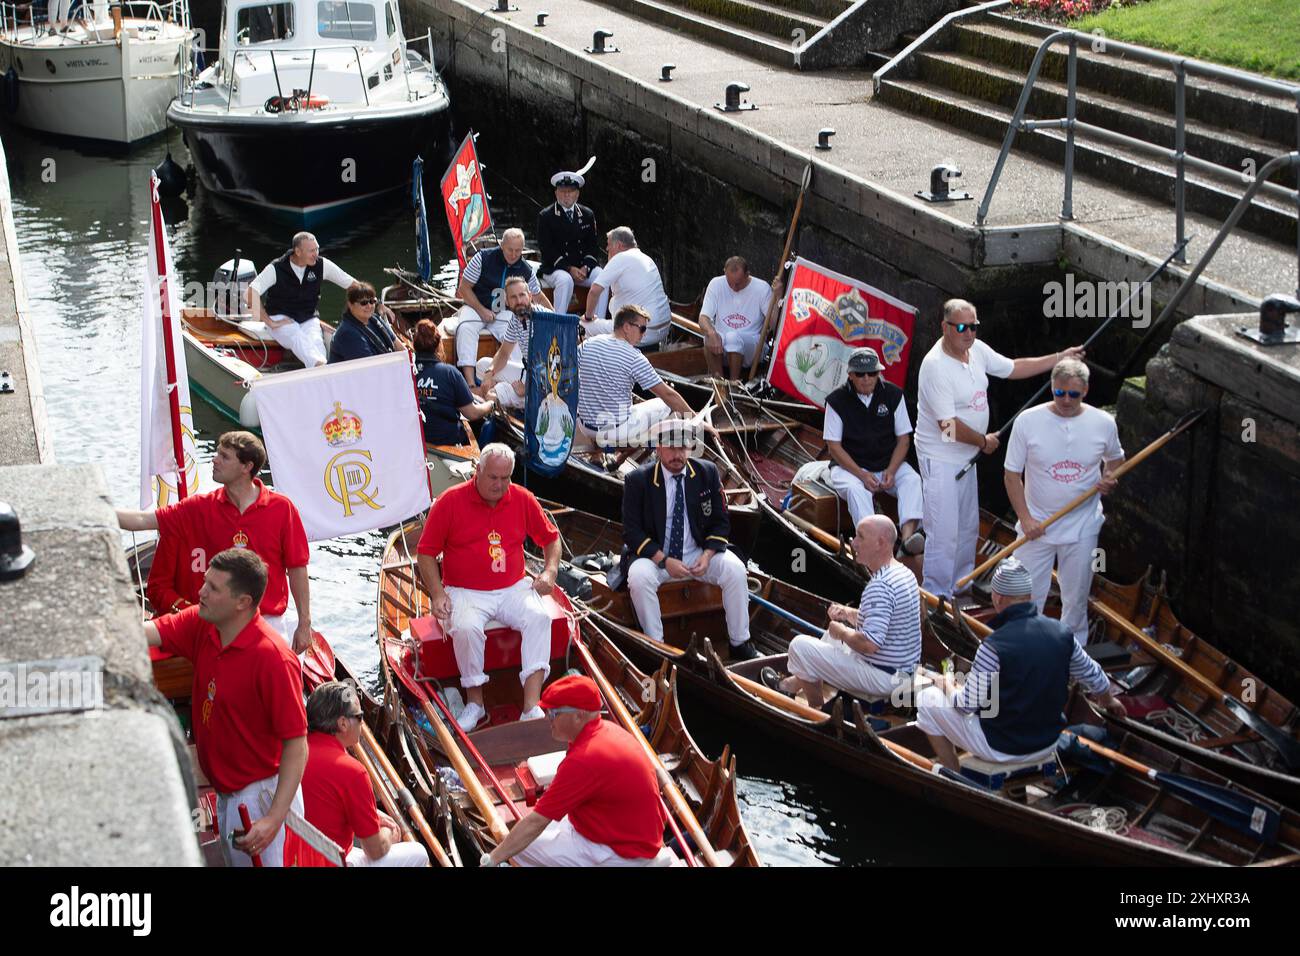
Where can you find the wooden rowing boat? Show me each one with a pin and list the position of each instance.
(414, 657)
(878, 741)
(407, 791)
(1182, 708)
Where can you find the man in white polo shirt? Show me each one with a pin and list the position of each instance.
(1057, 450)
(952, 419)
(608, 367)
(735, 304)
(632, 278)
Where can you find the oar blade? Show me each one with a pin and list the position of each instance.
(1237, 810)
(1287, 747)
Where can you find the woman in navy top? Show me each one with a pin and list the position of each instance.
(361, 332)
(444, 397)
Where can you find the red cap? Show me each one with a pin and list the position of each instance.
(572, 691)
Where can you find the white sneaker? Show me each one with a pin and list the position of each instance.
(533, 713)
(471, 716)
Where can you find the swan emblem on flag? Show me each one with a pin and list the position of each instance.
(555, 425)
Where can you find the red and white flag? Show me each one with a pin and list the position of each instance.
(464, 198)
(166, 421)
(306, 845)
(828, 315)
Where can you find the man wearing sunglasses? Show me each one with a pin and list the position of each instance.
(952, 418)
(1057, 450)
(336, 792)
(868, 433)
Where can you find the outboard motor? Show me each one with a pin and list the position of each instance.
(229, 289)
(171, 178)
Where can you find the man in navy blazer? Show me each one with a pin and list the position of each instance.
(675, 527)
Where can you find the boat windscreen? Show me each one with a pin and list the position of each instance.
(274, 21)
(346, 20)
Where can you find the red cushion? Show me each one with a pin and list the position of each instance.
(438, 659)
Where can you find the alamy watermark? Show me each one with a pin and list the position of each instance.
(1086, 299)
(28, 688)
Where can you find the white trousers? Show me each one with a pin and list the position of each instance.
(635, 430)
(561, 281)
(258, 797)
(725, 570)
(834, 662)
(1073, 563)
(906, 491)
(504, 388)
(937, 716)
(952, 524)
(303, 339)
(561, 845)
(399, 854)
(518, 607)
(469, 327)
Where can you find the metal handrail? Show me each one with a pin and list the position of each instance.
(175, 11)
(924, 38)
(1181, 67)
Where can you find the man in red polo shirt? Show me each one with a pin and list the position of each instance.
(336, 788)
(250, 728)
(603, 807)
(479, 529)
(243, 513)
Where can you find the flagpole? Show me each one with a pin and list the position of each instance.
(169, 347)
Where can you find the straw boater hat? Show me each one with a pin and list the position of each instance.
(574, 179)
(1012, 579)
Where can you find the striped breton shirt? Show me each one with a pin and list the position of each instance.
(608, 367)
(977, 693)
(890, 615)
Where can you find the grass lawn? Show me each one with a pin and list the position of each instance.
(1258, 35)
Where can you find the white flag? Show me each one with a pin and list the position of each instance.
(161, 319)
(345, 443)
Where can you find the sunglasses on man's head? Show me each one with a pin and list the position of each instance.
(1061, 392)
(964, 326)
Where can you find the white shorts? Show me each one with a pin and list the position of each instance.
(744, 341)
(399, 854)
(561, 845)
(258, 797)
(303, 339)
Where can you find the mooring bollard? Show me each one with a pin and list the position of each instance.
(824, 138)
(15, 557)
(940, 177)
(598, 43)
(666, 72)
(732, 103)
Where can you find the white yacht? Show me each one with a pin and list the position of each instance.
(103, 72)
(312, 104)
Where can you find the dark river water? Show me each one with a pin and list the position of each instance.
(82, 225)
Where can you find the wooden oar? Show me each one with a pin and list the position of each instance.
(826, 540)
(1179, 427)
(405, 798)
(473, 786)
(1286, 746)
(1236, 809)
(666, 782)
(780, 268)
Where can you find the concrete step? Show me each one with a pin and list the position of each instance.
(1002, 86)
(875, 59)
(757, 16)
(1135, 172)
(823, 9)
(777, 49)
(1011, 43)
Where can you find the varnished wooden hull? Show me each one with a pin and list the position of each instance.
(708, 786)
(697, 643)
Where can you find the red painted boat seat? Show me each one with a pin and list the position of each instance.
(438, 659)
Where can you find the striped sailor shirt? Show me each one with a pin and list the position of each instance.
(890, 615)
(978, 691)
(608, 367)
